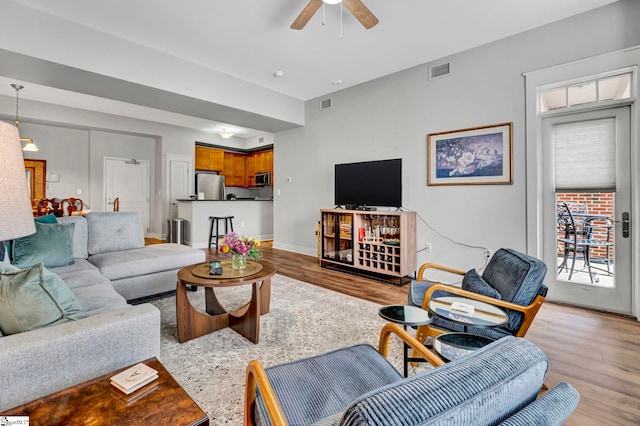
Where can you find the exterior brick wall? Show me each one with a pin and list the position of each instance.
(597, 203)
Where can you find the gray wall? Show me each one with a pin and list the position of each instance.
(391, 117)
(75, 141)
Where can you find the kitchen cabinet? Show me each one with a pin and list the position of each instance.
(250, 170)
(257, 162)
(210, 159)
(234, 169)
(238, 169)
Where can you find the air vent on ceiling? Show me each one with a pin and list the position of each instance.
(325, 103)
(438, 71)
(261, 139)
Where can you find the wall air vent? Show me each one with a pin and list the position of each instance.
(438, 71)
(261, 139)
(325, 104)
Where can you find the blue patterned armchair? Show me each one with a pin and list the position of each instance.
(512, 281)
(357, 386)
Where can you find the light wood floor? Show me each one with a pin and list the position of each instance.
(599, 354)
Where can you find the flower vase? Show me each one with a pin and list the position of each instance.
(238, 261)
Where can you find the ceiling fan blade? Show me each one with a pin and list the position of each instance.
(361, 12)
(307, 13)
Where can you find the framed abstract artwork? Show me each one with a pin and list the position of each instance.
(475, 156)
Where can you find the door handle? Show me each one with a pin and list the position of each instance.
(625, 224)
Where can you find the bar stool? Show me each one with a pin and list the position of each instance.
(228, 223)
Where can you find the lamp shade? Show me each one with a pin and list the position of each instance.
(16, 216)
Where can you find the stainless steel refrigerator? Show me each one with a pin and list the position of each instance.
(211, 184)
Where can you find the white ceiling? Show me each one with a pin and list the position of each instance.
(251, 39)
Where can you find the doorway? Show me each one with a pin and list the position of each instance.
(586, 187)
(128, 181)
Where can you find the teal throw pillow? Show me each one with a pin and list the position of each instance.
(48, 218)
(472, 281)
(34, 298)
(52, 245)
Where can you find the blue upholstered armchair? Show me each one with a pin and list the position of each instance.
(512, 281)
(496, 385)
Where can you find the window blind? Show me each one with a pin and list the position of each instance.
(585, 155)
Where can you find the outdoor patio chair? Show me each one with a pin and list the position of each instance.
(497, 384)
(578, 233)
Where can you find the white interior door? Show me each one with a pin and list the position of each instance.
(587, 159)
(179, 181)
(128, 181)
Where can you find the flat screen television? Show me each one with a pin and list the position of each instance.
(369, 183)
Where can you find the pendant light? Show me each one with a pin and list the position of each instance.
(30, 146)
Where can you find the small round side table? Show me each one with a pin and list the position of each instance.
(406, 315)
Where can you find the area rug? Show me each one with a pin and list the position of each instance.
(304, 320)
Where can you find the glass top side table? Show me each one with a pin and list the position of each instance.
(475, 313)
(406, 315)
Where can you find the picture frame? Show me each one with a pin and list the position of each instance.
(473, 156)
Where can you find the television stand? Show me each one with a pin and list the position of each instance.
(378, 244)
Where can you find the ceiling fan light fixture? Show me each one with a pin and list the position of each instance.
(332, 1)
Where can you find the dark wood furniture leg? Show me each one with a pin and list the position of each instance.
(245, 321)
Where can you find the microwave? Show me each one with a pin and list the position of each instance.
(262, 179)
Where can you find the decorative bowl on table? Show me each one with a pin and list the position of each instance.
(193, 197)
(452, 346)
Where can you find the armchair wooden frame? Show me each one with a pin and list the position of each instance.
(529, 312)
(256, 376)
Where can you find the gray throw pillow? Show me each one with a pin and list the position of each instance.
(34, 298)
(52, 245)
(472, 281)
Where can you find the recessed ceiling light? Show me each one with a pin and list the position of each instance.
(336, 82)
(278, 73)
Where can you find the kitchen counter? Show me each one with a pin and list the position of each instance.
(251, 217)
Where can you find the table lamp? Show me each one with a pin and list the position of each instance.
(16, 216)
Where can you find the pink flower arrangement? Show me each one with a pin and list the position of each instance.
(241, 245)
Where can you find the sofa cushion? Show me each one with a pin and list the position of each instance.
(472, 281)
(114, 231)
(34, 298)
(79, 235)
(146, 260)
(98, 297)
(80, 274)
(52, 244)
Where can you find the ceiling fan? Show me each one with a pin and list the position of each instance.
(356, 7)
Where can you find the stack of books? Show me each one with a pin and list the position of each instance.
(132, 379)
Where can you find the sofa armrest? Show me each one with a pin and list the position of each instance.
(39, 362)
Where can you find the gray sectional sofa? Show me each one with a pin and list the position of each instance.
(111, 265)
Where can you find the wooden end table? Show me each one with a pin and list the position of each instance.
(245, 320)
(162, 401)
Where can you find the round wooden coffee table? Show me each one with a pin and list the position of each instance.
(246, 320)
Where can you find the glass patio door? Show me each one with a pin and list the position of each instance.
(586, 208)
